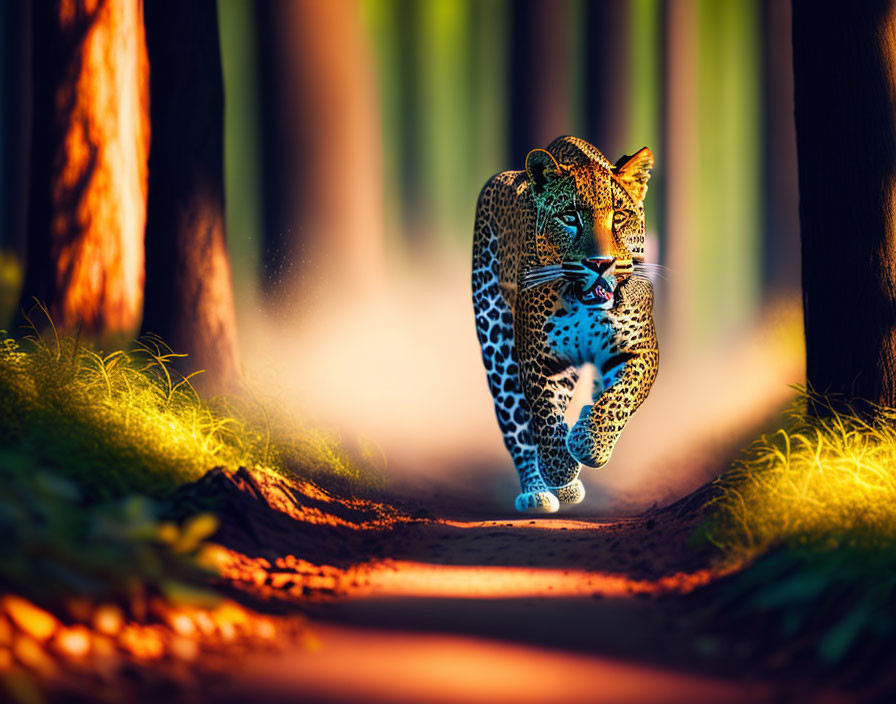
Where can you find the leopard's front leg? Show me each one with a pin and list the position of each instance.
(548, 396)
(624, 381)
(548, 385)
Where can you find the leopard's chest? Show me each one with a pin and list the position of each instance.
(578, 333)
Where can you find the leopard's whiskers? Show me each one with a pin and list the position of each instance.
(650, 272)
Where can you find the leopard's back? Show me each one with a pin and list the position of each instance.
(503, 213)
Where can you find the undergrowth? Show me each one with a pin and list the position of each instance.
(819, 482)
(811, 512)
(125, 421)
(57, 547)
(92, 444)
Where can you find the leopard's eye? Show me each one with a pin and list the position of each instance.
(570, 218)
(620, 217)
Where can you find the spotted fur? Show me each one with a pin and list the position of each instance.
(559, 282)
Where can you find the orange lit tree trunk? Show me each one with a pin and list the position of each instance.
(189, 295)
(844, 62)
(88, 178)
(322, 159)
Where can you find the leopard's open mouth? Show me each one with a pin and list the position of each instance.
(599, 293)
(596, 289)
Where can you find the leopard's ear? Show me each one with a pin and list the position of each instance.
(634, 172)
(542, 168)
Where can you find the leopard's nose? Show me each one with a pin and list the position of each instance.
(599, 265)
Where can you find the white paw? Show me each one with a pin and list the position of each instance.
(537, 502)
(572, 493)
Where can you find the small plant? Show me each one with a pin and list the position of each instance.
(126, 422)
(811, 511)
(819, 482)
(57, 547)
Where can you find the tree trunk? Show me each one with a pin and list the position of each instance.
(845, 81)
(189, 296)
(89, 149)
(15, 119)
(539, 89)
(321, 146)
(607, 88)
(15, 137)
(682, 137)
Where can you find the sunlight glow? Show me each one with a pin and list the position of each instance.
(417, 579)
(817, 482)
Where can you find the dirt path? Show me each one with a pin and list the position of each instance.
(364, 664)
(408, 606)
(380, 599)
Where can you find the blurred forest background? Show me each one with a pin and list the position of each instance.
(357, 135)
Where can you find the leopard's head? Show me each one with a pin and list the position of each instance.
(589, 224)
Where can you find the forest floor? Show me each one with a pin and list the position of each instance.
(432, 600)
(329, 587)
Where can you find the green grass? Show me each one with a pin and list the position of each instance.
(126, 422)
(92, 444)
(818, 483)
(810, 511)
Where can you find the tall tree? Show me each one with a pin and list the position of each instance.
(607, 89)
(682, 144)
(88, 164)
(539, 81)
(189, 296)
(321, 143)
(844, 62)
(15, 96)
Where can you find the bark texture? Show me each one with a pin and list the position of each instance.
(845, 82)
(89, 151)
(189, 295)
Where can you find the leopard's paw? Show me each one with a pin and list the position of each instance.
(582, 446)
(571, 493)
(537, 502)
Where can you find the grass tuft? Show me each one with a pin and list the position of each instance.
(818, 483)
(810, 512)
(127, 422)
(93, 445)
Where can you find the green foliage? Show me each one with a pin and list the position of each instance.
(126, 422)
(57, 547)
(818, 483)
(811, 510)
(91, 446)
(834, 605)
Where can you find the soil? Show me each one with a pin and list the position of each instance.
(410, 600)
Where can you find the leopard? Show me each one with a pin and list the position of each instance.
(560, 281)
